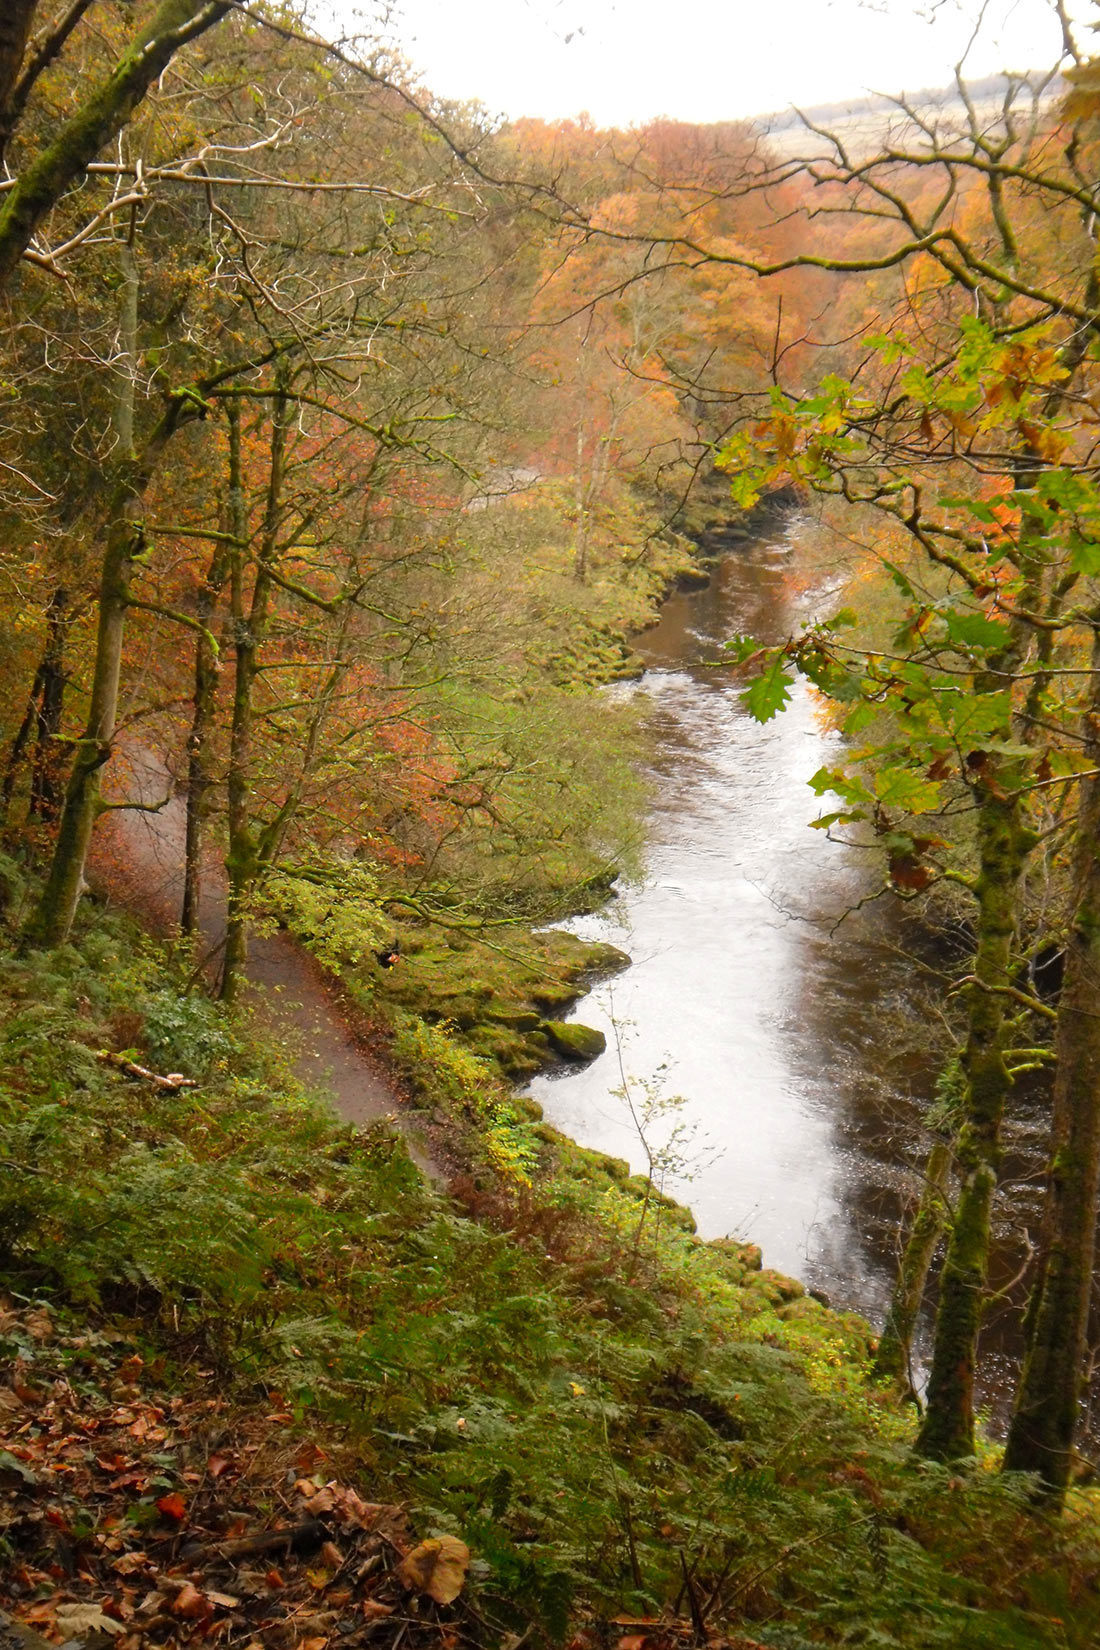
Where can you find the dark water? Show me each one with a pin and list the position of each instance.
(800, 1047)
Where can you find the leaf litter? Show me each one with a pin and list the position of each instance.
(138, 1516)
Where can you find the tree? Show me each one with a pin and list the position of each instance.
(967, 434)
(55, 164)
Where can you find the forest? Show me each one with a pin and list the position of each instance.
(350, 439)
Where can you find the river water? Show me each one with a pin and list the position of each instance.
(795, 1040)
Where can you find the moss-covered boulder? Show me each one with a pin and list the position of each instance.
(743, 1257)
(776, 1288)
(574, 1041)
(504, 993)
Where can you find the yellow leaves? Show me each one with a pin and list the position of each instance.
(437, 1568)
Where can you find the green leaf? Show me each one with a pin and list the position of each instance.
(1084, 556)
(831, 781)
(976, 507)
(768, 694)
(905, 787)
(971, 717)
(843, 816)
(975, 630)
(742, 647)
(901, 581)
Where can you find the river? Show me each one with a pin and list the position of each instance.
(797, 1040)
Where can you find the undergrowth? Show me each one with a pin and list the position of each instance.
(699, 1436)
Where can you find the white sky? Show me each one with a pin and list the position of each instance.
(625, 61)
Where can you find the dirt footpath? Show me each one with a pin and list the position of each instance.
(137, 860)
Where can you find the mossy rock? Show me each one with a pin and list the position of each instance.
(776, 1289)
(747, 1256)
(617, 1168)
(736, 1262)
(497, 999)
(675, 1213)
(516, 1019)
(574, 1041)
(858, 1336)
(519, 1055)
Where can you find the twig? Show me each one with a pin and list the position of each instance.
(173, 1082)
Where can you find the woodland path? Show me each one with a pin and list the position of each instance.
(137, 860)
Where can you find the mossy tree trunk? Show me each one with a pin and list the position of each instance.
(48, 758)
(98, 119)
(893, 1358)
(1004, 844)
(1045, 1412)
(16, 21)
(42, 721)
(250, 625)
(52, 919)
(207, 672)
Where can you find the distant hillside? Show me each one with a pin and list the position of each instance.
(862, 122)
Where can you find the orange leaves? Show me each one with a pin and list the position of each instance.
(190, 1603)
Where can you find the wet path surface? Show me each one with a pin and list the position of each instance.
(139, 858)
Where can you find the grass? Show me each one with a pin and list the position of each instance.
(484, 1357)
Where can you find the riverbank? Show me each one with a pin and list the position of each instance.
(591, 1402)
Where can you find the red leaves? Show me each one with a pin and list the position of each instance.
(172, 1506)
(908, 873)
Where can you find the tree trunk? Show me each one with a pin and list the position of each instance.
(893, 1358)
(17, 750)
(16, 20)
(249, 630)
(1004, 844)
(207, 671)
(99, 118)
(1045, 1412)
(48, 759)
(53, 918)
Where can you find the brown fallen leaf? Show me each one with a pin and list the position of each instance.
(190, 1603)
(127, 1563)
(76, 1620)
(373, 1609)
(436, 1567)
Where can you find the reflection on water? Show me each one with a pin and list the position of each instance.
(768, 1019)
(798, 1045)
